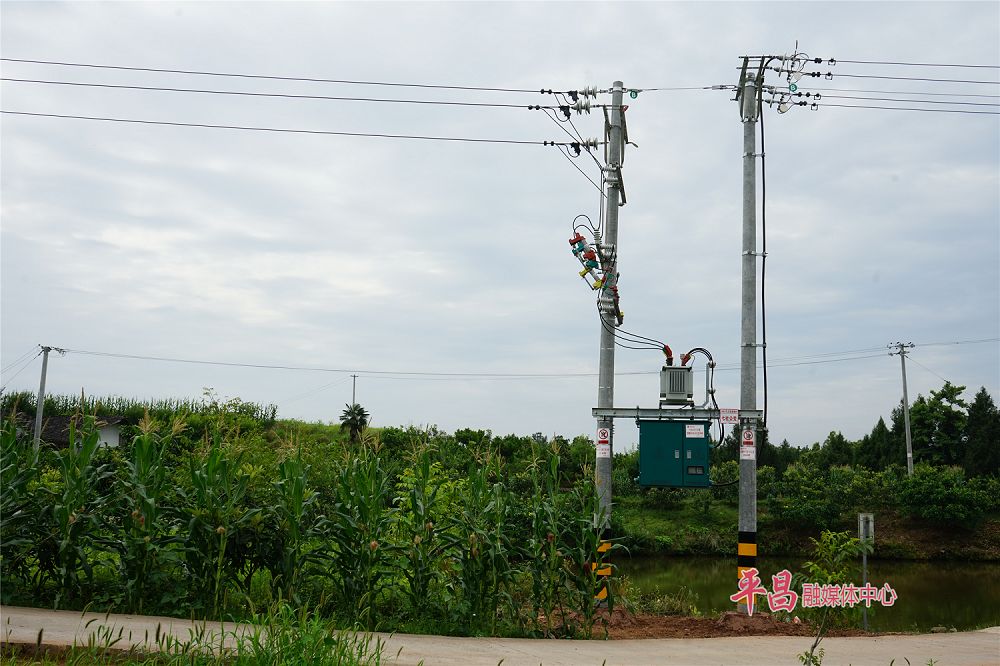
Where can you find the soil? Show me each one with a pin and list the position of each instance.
(623, 624)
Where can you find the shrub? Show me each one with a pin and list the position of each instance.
(941, 495)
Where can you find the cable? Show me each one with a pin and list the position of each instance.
(763, 257)
(264, 366)
(271, 78)
(284, 129)
(918, 101)
(958, 342)
(280, 95)
(900, 92)
(910, 78)
(910, 356)
(20, 358)
(565, 152)
(22, 369)
(914, 64)
(671, 89)
(904, 108)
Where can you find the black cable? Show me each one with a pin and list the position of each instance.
(763, 257)
(565, 152)
(20, 358)
(915, 64)
(271, 78)
(279, 95)
(909, 78)
(899, 92)
(906, 108)
(283, 129)
(917, 101)
(262, 366)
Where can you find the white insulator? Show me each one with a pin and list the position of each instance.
(582, 106)
(589, 91)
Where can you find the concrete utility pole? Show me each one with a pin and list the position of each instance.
(40, 402)
(609, 248)
(747, 542)
(901, 352)
(354, 390)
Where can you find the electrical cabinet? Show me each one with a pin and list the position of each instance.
(673, 454)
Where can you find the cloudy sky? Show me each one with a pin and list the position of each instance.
(378, 255)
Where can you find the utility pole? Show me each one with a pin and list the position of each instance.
(40, 402)
(901, 352)
(746, 553)
(609, 256)
(354, 390)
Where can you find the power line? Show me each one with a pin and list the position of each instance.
(277, 95)
(907, 78)
(910, 356)
(271, 77)
(900, 92)
(20, 358)
(283, 129)
(918, 101)
(958, 342)
(909, 108)
(915, 64)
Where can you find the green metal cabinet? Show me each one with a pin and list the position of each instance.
(673, 454)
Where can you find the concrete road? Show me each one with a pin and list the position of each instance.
(975, 648)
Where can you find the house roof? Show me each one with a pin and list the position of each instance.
(55, 429)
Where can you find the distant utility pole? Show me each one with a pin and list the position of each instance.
(609, 250)
(749, 95)
(40, 401)
(901, 352)
(354, 390)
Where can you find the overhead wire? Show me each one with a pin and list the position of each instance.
(271, 77)
(763, 258)
(23, 367)
(275, 95)
(910, 78)
(918, 101)
(910, 356)
(20, 358)
(282, 129)
(904, 108)
(915, 64)
(900, 92)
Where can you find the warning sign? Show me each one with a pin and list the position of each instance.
(729, 416)
(604, 435)
(692, 430)
(748, 445)
(603, 450)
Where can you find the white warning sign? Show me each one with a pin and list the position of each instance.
(603, 450)
(748, 445)
(729, 416)
(604, 435)
(692, 430)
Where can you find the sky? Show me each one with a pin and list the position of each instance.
(378, 256)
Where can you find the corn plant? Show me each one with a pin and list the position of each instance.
(299, 525)
(145, 547)
(545, 560)
(581, 539)
(423, 548)
(359, 529)
(19, 469)
(76, 508)
(480, 534)
(212, 514)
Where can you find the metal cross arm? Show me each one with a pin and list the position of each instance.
(660, 414)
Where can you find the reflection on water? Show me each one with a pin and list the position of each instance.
(963, 595)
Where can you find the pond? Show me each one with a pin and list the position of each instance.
(964, 595)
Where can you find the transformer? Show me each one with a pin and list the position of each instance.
(676, 385)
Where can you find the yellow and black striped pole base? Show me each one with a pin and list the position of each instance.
(746, 554)
(603, 573)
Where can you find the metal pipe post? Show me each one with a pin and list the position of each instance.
(606, 379)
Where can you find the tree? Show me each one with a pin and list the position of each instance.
(982, 433)
(874, 450)
(355, 419)
(836, 450)
(938, 426)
